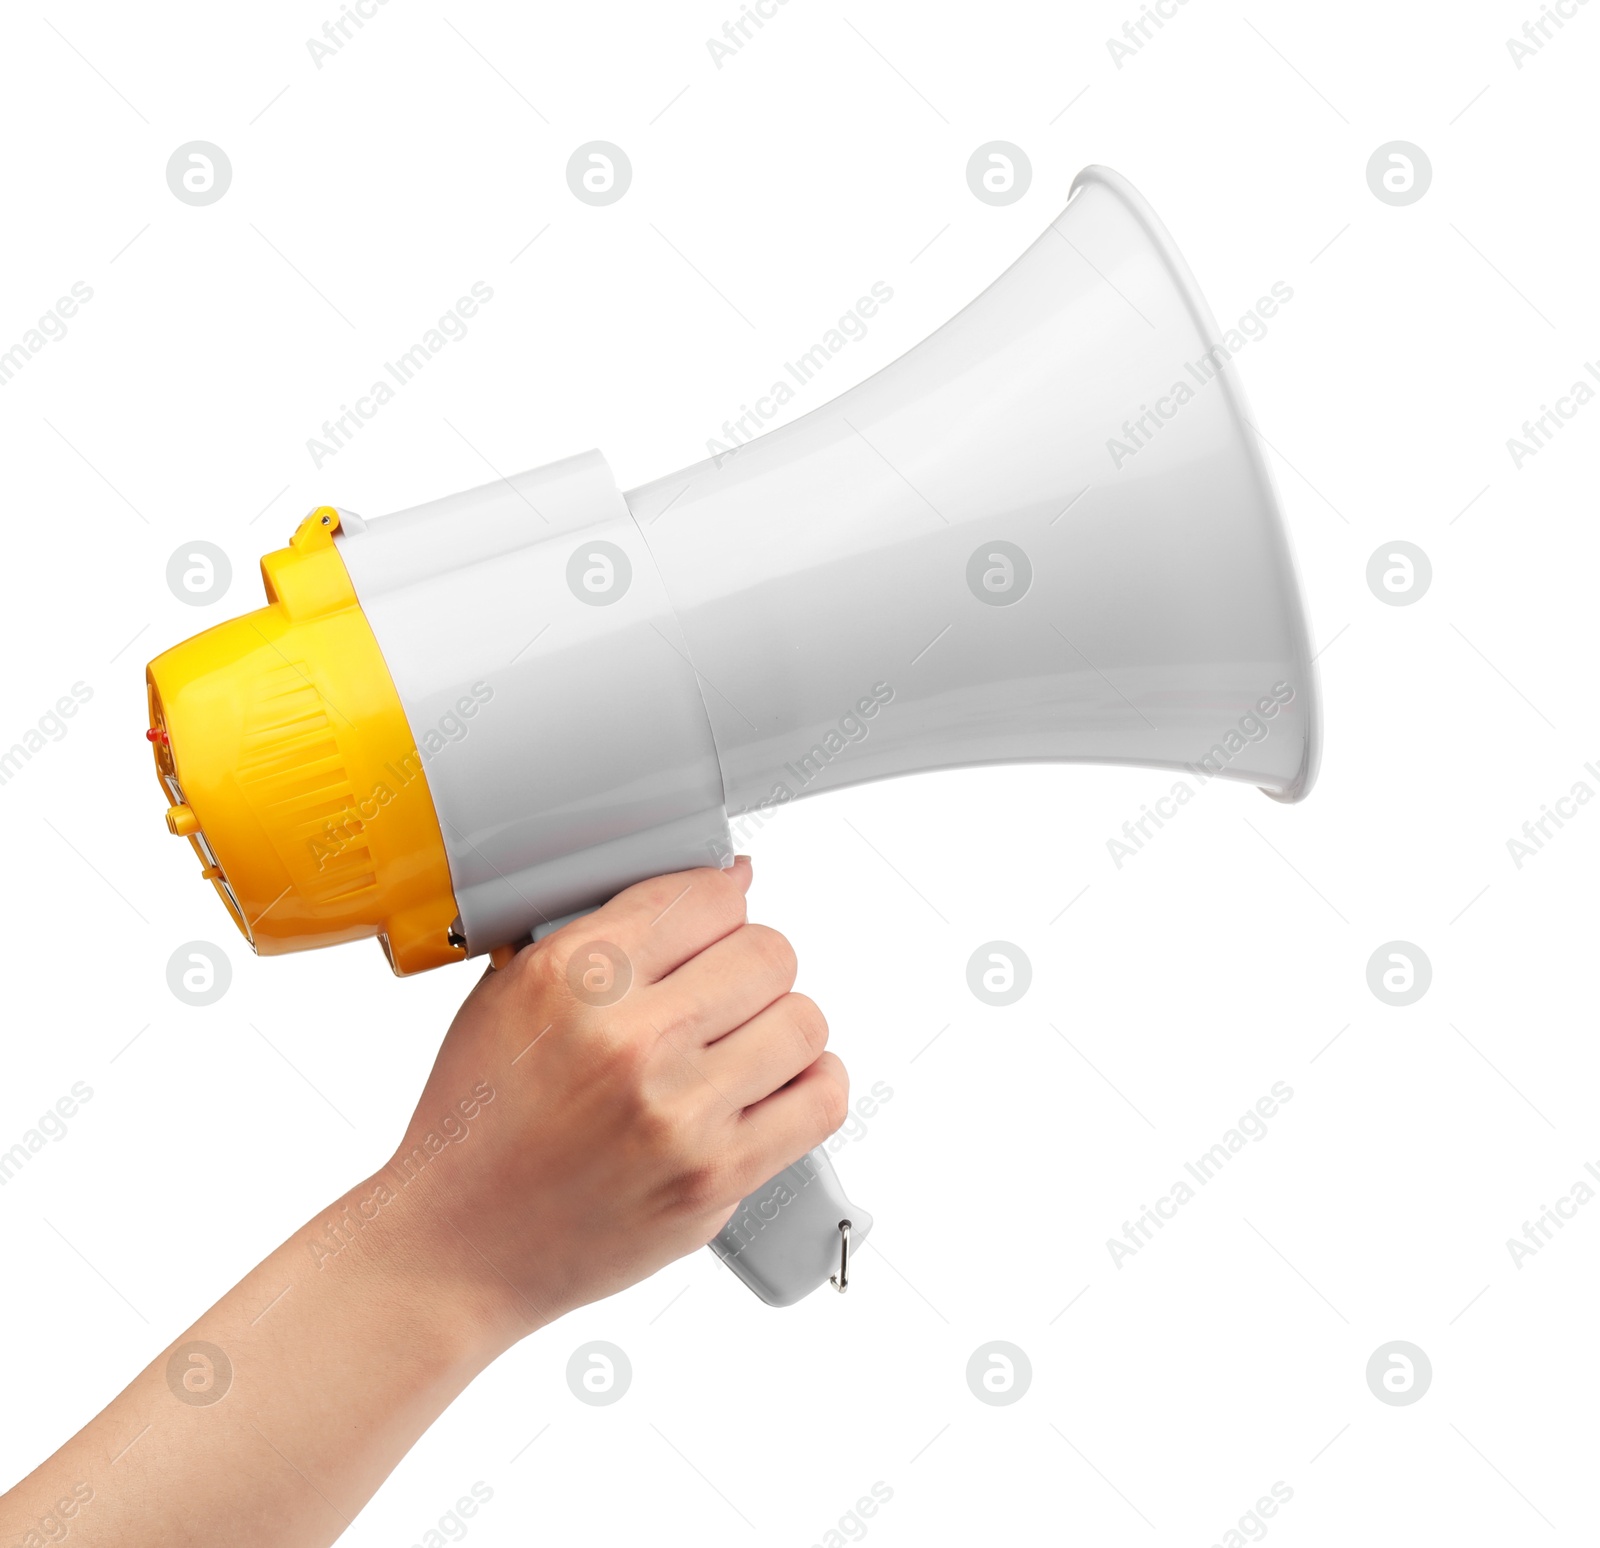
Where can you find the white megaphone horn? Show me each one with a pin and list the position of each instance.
(1045, 533)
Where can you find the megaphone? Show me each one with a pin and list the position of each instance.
(1045, 533)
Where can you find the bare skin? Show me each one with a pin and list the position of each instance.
(563, 1149)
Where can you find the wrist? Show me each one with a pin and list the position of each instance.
(395, 1236)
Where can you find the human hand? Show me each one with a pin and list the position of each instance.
(597, 1113)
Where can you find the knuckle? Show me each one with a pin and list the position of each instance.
(832, 1105)
(810, 1025)
(654, 1128)
(542, 970)
(706, 1185)
(659, 892)
(772, 951)
(620, 1055)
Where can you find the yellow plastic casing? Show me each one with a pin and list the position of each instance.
(285, 753)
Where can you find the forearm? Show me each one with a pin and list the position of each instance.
(336, 1353)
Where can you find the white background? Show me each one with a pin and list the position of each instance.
(1231, 953)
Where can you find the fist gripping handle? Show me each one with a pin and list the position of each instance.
(795, 1231)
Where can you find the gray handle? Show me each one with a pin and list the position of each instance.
(785, 1239)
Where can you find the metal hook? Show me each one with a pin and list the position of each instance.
(841, 1280)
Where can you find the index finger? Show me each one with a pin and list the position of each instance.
(661, 923)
